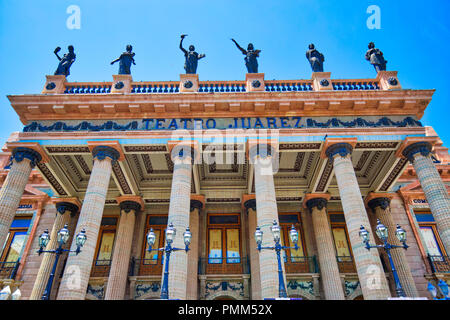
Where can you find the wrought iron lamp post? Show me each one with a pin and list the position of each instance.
(170, 235)
(293, 234)
(382, 232)
(443, 286)
(63, 236)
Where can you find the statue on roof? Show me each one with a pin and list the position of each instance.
(126, 59)
(65, 62)
(376, 58)
(192, 57)
(315, 58)
(250, 57)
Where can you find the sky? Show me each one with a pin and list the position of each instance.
(414, 37)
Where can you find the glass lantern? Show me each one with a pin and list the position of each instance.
(381, 231)
(63, 235)
(187, 237)
(363, 234)
(170, 233)
(293, 234)
(151, 238)
(401, 234)
(276, 231)
(44, 238)
(81, 238)
(258, 236)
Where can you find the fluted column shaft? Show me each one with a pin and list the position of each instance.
(368, 264)
(382, 210)
(433, 187)
(78, 267)
(254, 254)
(329, 269)
(192, 267)
(63, 216)
(118, 274)
(179, 210)
(22, 162)
(266, 214)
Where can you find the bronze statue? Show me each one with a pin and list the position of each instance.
(126, 59)
(250, 57)
(315, 58)
(65, 62)
(192, 57)
(376, 58)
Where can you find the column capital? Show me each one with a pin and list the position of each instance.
(341, 146)
(249, 202)
(319, 200)
(412, 145)
(103, 149)
(376, 199)
(128, 203)
(197, 201)
(179, 148)
(67, 204)
(261, 147)
(32, 151)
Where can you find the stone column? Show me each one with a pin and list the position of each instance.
(381, 208)
(250, 206)
(196, 206)
(78, 267)
(65, 208)
(179, 212)
(433, 187)
(368, 264)
(23, 161)
(329, 269)
(266, 213)
(130, 206)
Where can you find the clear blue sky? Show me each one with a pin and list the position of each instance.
(414, 37)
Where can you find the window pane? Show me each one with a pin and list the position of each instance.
(288, 218)
(215, 246)
(424, 218)
(233, 246)
(158, 220)
(21, 223)
(152, 257)
(105, 251)
(341, 243)
(108, 221)
(430, 241)
(16, 246)
(225, 219)
(6, 241)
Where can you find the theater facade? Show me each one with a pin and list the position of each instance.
(327, 156)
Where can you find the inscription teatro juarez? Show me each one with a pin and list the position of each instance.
(221, 123)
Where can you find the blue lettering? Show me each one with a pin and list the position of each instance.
(147, 122)
(284, 123)
(298, 121)
(208, 126)
(270, 122)
(158, 123)
(173, 124)
(258, 123)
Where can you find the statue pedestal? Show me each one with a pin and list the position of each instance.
(388, 80)
(322, 81)
(121, 83)
(54, 84)
(255, 82)
(188, 82)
